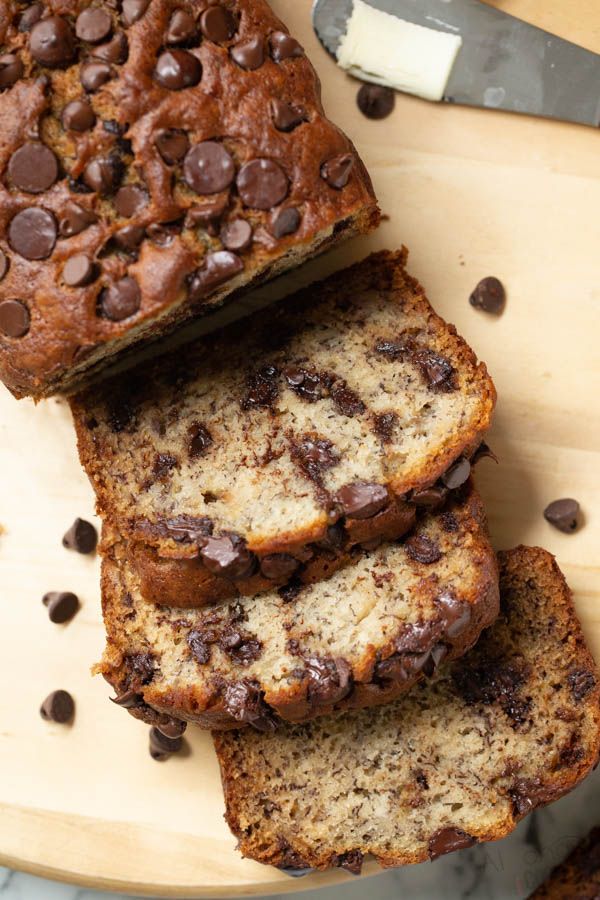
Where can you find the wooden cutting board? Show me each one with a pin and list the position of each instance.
(472, 193)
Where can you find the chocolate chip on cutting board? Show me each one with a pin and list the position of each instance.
(61, 605)
(81, 536)
(59, 707)
(563, 514)
(489, 295)
(375, 101)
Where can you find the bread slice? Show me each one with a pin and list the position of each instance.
(359, 638)
(578, 877)
(511, 726)
(155, 161)
(320, 422)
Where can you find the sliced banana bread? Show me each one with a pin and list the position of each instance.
(322, 422)
(578, 877)
(359, 638)
(511, 726)
(156, 157)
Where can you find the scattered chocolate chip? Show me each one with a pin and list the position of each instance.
(217, 24)
(79, 270)
(563, 514)
(133, 10)
(114, 51)
(161, 747)
(177, 69)
(78, 115)
(103, 174)
(457, 474)
(94, 74)
(447, 840)
(14, 318)
(249, 54)
(172, 145)
(182, 28)
(218, 268)
(279, 566)
(262, 184)
(375, 101)
(284, 46)
(423, 549)
(32, 233)
(244, 702)
(3, 264)
(227, 556)
(128, 700)
(11, 69)
(130, 199)
(81, 536)
(236, 235)
(121, 299)
(362, 499)
(489, 295)
(285, 220)
(208, 168)
(93, 25)
(336, 171)
(75, 219)
(52, 42)
(58, 706)
(200, 440)
(30, 16)
(285, 116)
(61, 605)
(33, 168)
(330, 680)
(129, 238)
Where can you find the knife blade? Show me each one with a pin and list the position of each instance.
(503, 63)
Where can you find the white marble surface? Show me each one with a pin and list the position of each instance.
(501, 871)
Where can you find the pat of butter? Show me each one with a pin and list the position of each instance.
(381, 48)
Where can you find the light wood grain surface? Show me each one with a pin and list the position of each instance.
(471, 193)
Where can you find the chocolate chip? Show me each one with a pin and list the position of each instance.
(11, 69)
(163, 235)
(177, 69)
(438, 372)
(217, 24)
(133, 10)
(52, 42)
(285, 116)
(81, 536)
(314, 455)
(208, 215)
(172, 728)
(482, 452)
(423, 549)
(581, 682)
(336, 171)
(284, 46)
(208, 168)
(32, 233)
(347, 401)
(200, 647)
(262, 184)
(375, 101)
(330, 680)
(75, 219)
(563, 514)
(30, 16)
(447, 840)
(262, 388)
(58, 706)
(61, 605)
(78, 115)
(242, 648)
(172, 145)
(249, 54)
(279, 566)
(3, 264)
(103, 174)
(200, 440)
(94, 74)
(351, 861)
(236, 235)
(120, 300)
(114, 51)
(362, 499)
(129, 238)
(33, 168)
(285, 220)
(218, 268)
(14, 318)
(227, 556)
(457, 474)
(489, 295)
(130, 199)
(128, 700)
(182, 28)
(79, 270)
(162, 746)
(384, 425)
(244, 702)
(93, 25)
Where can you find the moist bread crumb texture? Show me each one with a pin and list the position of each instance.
(156, 156)
(512, 725)
(359, 638)
(578, 877)
(316, 424)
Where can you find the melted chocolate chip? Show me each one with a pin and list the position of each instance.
(314, 455)
(182, 28)
(284, 46)
(78, 115)
(310, 386)
(79, 270)
(75, 219)
(172, 728)
(262, 184)
(228, 556)
(423, 549)
(128, 700)
(244, 702)
(142, 666)
(351, 861)
(121, 299)
(336, 171)
(384, 425)
(457, 474)
(290, 592)
(33, 168)
(93, 25)
(81, 536)
(208, 215)
(237, 235)
(330, 680)
(129, 238)
(284, 221)
(217, 24)
(249, 54)
(200, 440)
(161, 746)
(447, 840)
(219, 267)
(347, 402)
(375, 101)
(431, 496)
(208, 168)
(52, 42)
(456, 614)
(563, 514)
(495, 681)
(94, 74)
(285, 116)
(14, 318)
(242, 648)
(362, 499)
(199, 646)
(130, 199)
(437, 371)
(11, 69)
(32, 233)
(59, 707)
(133, 10)
(172, 145)
(114, 51)
(186, 529)
(61, 605)
(489, 296)
(279, 566)
(103, 174)
(262, 388)
(177, 69)
(581, 682)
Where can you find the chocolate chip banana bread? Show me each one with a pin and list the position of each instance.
(511, 726)
(578, 877)
(156, 156)
(228, 466)
(359, 638)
